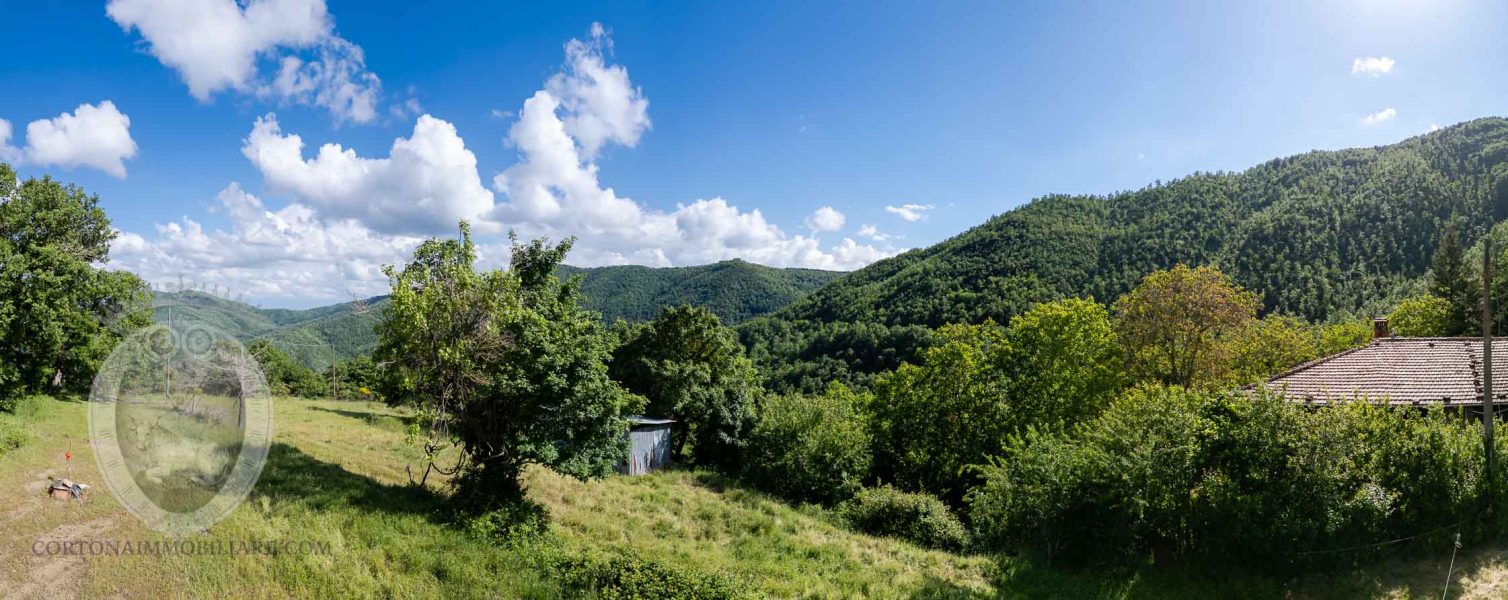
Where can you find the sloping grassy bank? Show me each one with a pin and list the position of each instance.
(336, 479)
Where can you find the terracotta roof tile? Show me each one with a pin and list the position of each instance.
(1400, 371)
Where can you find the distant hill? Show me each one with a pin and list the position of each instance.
(735, 290)
(1319, 235)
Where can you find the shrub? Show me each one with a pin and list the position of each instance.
(919, 518)
(810, 449)
(630, 575)
(1230, 478)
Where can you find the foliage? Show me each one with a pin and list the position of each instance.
(1274, 344)
(1177, 324)
(931, 422)
(1319, 236)
(504, 363)
(805, 356)
(631, 575)
(734, 290)
(918, 518)
(1422, 316)
(1451, 280)
(810, 448)
(1339, 337)
(1066, 361)
(61, 313)
(286, 377)
(1177, 473)
(691, 368)
(359, 378)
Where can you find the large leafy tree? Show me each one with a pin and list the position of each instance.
(1421, 316)
(1066, 362)
(60, 312)
(692, 369)
(1451, 280)
(1177, 325)
(505, 364)
(932, 421)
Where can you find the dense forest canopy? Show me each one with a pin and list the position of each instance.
(1324, 236)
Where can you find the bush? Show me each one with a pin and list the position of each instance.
(629, 575)
(918, 518)
(1230, 478)
(810, 449)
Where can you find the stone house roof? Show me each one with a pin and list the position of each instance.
(1399, 370)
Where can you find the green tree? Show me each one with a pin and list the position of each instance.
(1066, 362)
(1177, 324)
(61, 313)
(811, 448)
(505, 364)
(1451, 280)
(1270, 346)
(692, 369)
(1340, 337)
(931, 422)
(1421, 316)
(285, 376)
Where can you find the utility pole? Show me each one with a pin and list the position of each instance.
(169, 363)
(1487, 411)
(334, 383)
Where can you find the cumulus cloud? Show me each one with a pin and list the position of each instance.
(218, 45)
(1379, 116)
(94, 136)
(426, 184)
(873, 233)
(554, 188)
(826, 218)
(1372, 66)
(910, 212)
(288, 253)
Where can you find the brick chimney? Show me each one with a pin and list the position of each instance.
(1380, 328)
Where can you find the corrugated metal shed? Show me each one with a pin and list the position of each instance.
(648, 445)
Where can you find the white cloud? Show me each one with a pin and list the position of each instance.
(873, 233)
(910, 212)
(217, 45)
(826, 218)
(95, 136)
(427, 183)
(1379, 116)
(289, 253)
(599, 103)
(554, 189)
(1372, 66)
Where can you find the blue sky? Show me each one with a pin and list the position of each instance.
(724, 109)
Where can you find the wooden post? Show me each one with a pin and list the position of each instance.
(1487, 410)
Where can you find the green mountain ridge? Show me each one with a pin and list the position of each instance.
(1321, 235)
(735, 290)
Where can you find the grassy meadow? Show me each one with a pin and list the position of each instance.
(336, 477)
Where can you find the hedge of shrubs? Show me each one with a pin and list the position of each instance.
(1225, 476)
(810, 448)
(630, 575)
(918, 518)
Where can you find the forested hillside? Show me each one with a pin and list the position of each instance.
(1320, 236)
(734, 290)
